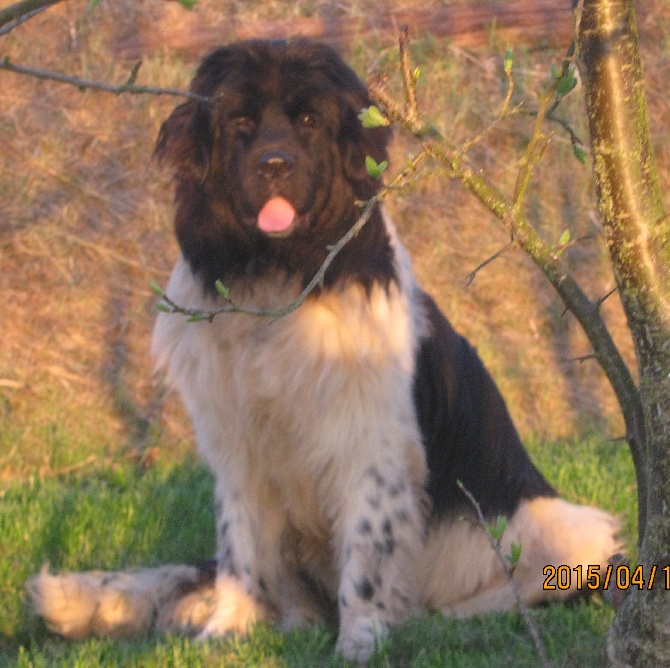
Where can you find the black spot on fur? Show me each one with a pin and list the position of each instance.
(205, 576)
(378, 478)
(374, 501)
(262, 585)
(402, 515)
(226, 564)
(387, 527)
(386, 547)
(206, 570)
(364, 527)
(397, 488)
(364, 589)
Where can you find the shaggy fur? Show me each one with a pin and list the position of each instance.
(336, 434)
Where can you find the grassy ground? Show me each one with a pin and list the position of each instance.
(125, 515)
(96, 465)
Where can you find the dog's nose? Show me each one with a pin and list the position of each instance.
(275, 165)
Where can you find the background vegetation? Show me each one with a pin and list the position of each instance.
(96, 467)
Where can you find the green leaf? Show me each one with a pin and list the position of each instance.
(579, 153)
(373, 118)
(564, 239)
(498, 529)
(416, 73)
(515, 554)
(222, 289)
(156, 289)
(196, 317)
(188, 4)
(375, 170)
(165, 308)
(508, 61)
(566, 84)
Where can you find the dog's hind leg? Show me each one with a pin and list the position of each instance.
(461, 574)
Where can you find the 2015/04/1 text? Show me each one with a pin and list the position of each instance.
(621, 577)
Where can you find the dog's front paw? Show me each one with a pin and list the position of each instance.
(235, 610)
(360, 638)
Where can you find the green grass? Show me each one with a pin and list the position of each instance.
(120, 515)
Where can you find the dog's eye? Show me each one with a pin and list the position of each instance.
(244, 125)
(307, 120)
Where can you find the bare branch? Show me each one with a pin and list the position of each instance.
(502, 114)
(575, 140)
(409, 78)
(83, 84)
(21, 11)
(583, 358)
(509, 574)
(601, 300)
(17, 22)
(469, 279)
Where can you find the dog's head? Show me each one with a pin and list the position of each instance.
(274, 159)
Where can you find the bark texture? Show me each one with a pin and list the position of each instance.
(637, 230)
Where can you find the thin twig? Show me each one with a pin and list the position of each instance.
(601, 300)
(583, 358)
(509, 573)
(409, 79)
(469, 279)
(83, 84)
(575, 140)
(598, 303)
(502, 114)
(280, 312)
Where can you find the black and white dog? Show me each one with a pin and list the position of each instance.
(336, 434)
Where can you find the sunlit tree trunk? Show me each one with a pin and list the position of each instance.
(637, 230)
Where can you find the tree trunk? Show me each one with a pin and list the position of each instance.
(637, 230)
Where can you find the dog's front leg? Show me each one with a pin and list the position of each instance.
(383, 532)
(240, 588)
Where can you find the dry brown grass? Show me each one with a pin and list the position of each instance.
(85, 224)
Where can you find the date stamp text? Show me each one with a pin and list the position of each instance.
(596, 577)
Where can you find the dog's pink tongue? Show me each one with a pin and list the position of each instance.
(276, 216)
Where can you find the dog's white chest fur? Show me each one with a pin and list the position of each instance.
(300, 405)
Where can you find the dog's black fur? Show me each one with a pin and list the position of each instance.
(218, 148)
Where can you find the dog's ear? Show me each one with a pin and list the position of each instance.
(185, 140)
(358, 142)
(355, 142)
